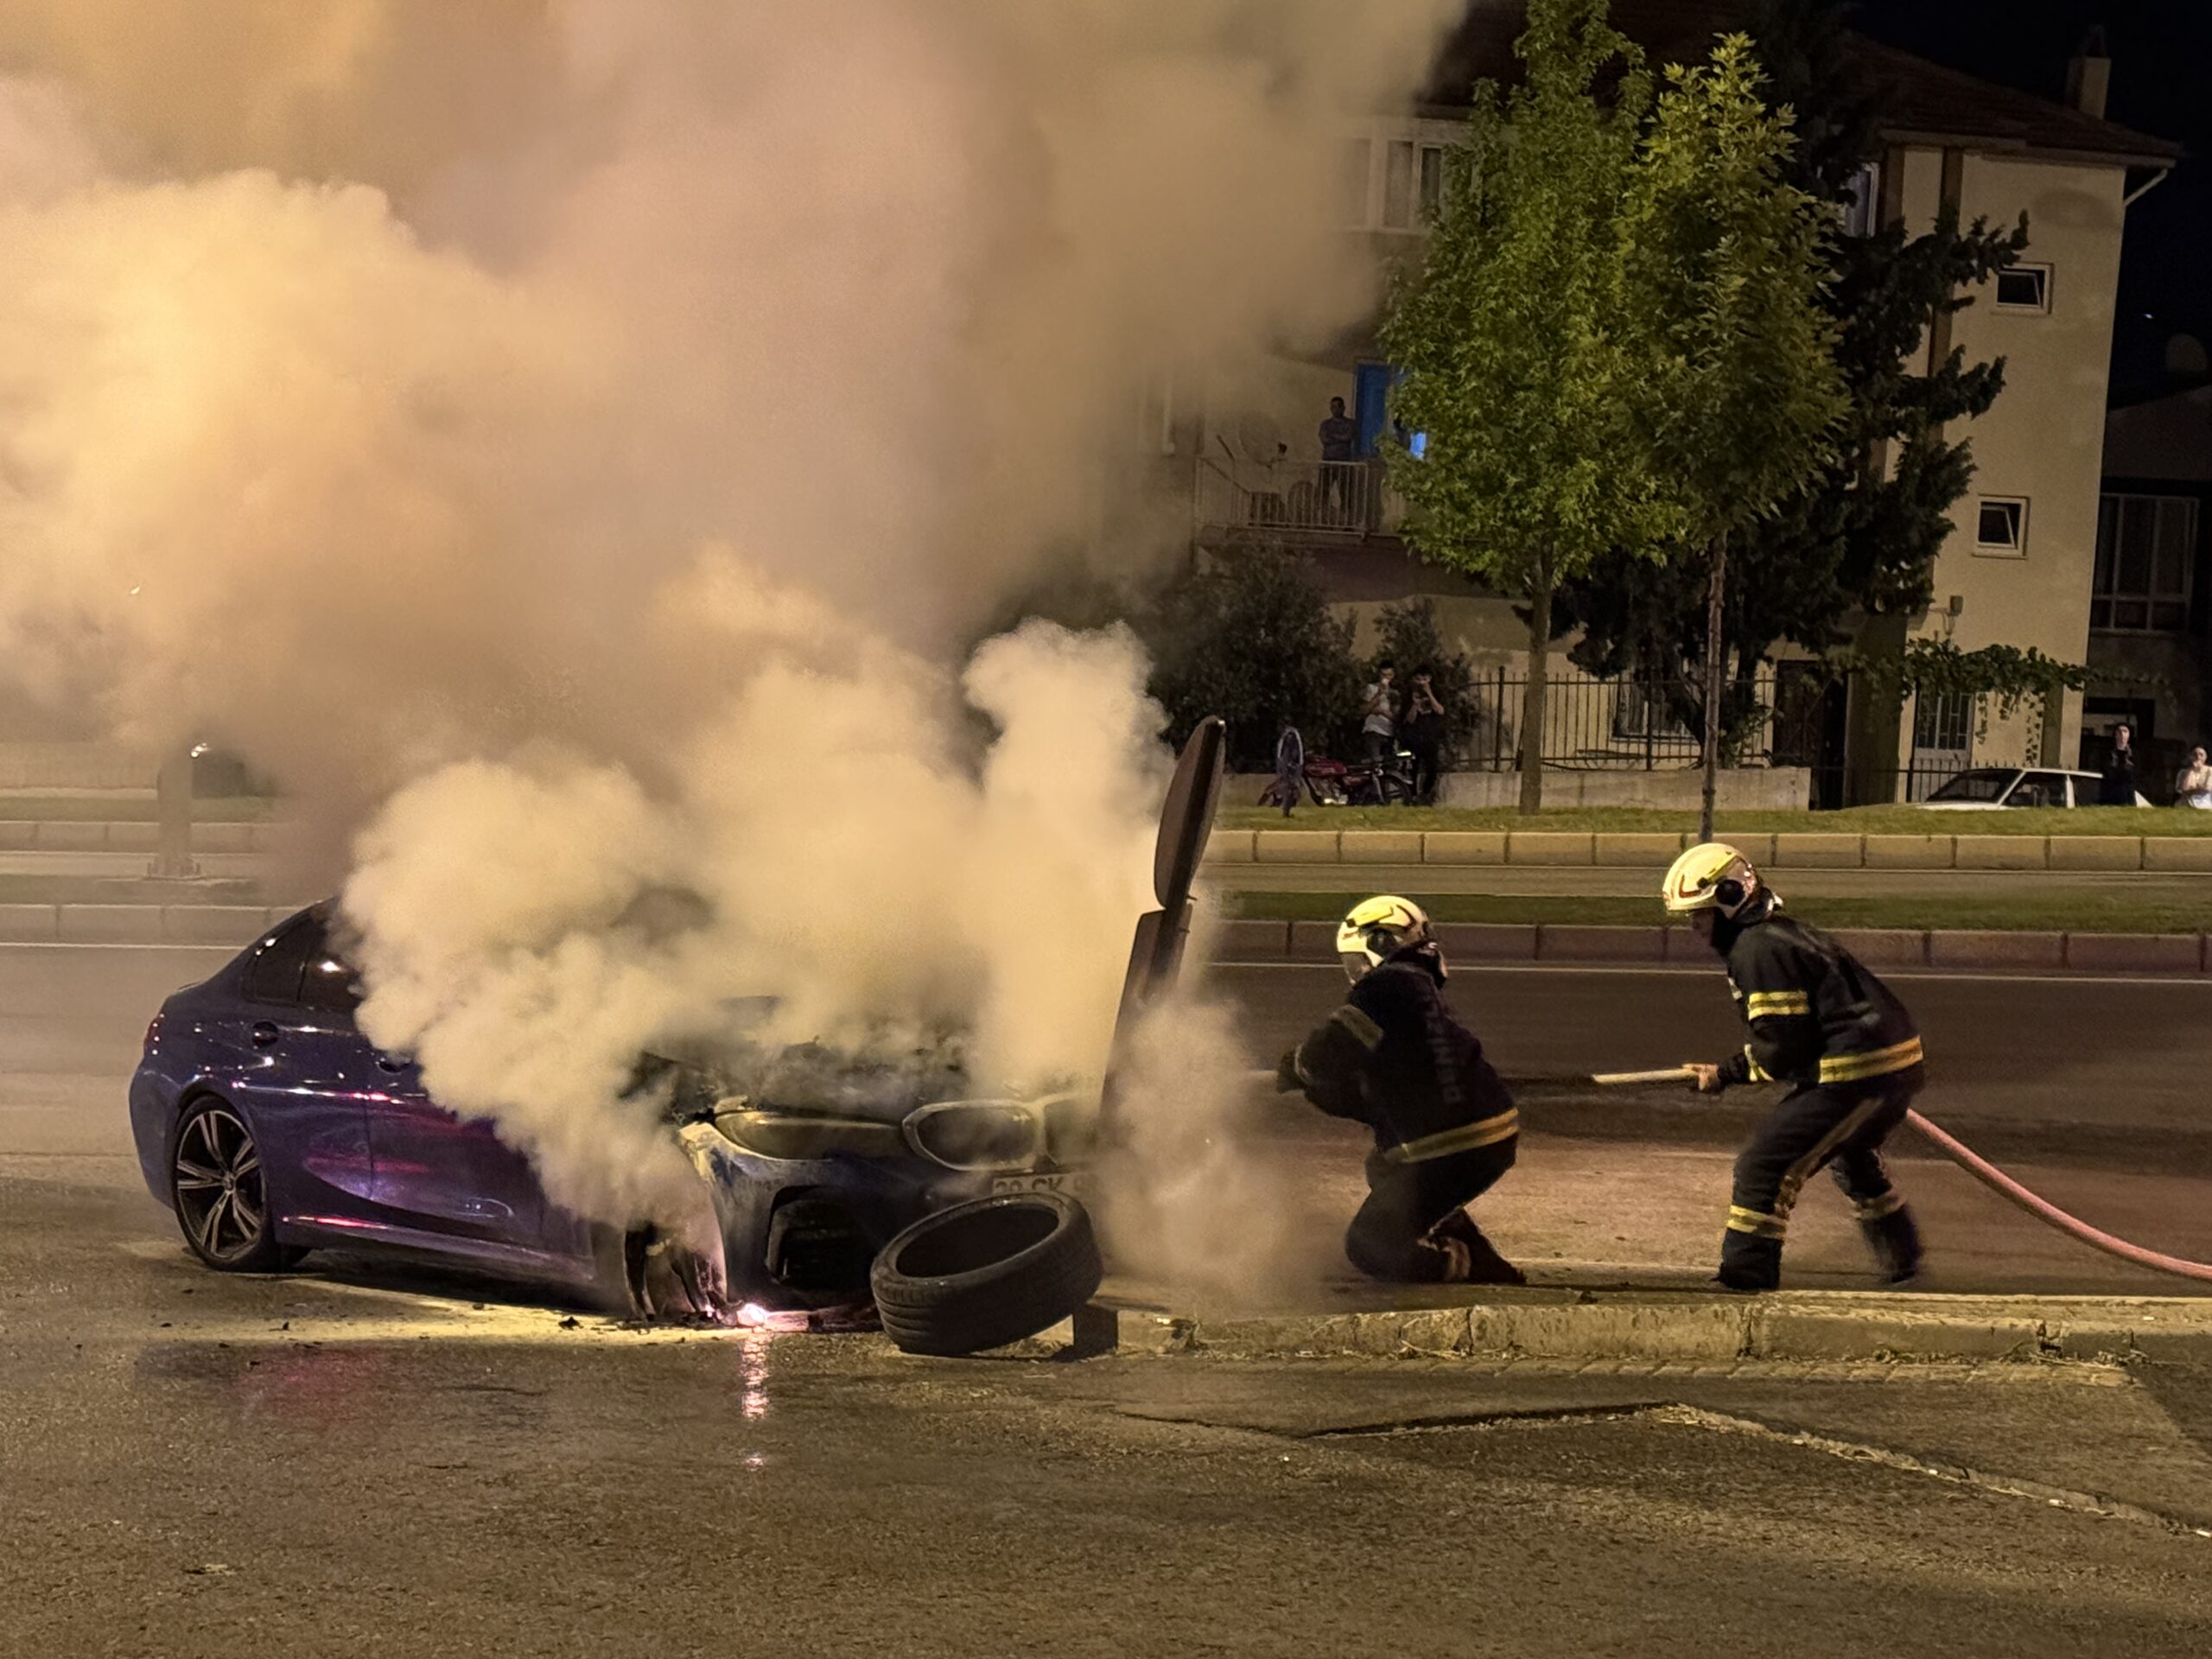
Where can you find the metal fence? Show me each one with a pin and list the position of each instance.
(1306, 498)
(1790, 717)
(1601, 725)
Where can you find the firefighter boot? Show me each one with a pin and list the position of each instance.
(1484, 1265)
(1749, 1262)
(1895, 1240)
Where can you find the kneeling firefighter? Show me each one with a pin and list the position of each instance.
(1395, 1058)
(1820, 1022)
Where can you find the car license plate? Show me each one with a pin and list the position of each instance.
(1073, 1182)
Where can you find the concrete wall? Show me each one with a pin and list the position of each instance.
(1742, 788)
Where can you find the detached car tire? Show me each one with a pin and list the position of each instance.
(986, 1273)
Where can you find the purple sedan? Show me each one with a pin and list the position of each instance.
(272, 1127)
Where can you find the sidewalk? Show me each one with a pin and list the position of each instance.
(1619, 1240)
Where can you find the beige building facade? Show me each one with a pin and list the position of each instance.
(2017, 568)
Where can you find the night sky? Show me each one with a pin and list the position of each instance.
(2162, 69)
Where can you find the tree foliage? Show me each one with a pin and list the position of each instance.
(1506, 331)
(1858, 535)
(1251, 638)
(1726, 266)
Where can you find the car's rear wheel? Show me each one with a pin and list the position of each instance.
(220, 1193)
(985, 1273)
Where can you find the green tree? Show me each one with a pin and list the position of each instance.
(1726, 263)
(1861, 536)
(1251, 638)
(1505, 331)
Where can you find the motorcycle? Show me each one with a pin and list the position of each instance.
(1361, 783)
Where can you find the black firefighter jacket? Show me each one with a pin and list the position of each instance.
(1395, 1058)
(1816, 1015)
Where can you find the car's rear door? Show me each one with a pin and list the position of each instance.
(299, 1072)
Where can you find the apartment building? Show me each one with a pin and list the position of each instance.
(2017, 566)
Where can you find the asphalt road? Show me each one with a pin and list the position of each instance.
(197, 1465)
(2092, 1091)
(362, 1459)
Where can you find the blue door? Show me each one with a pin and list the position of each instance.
(1372, 393)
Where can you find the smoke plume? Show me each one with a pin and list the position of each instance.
(582, 439)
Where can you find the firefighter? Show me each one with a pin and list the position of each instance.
(1395, 1058)
(1822, 1023)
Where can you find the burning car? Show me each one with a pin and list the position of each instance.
(271, 1126)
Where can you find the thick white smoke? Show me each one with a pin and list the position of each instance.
(596, 427)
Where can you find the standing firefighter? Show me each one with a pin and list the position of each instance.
(1395, 1058)
(1822, 1023)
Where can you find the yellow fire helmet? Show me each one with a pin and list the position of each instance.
(1712, 875)
(1375, 929)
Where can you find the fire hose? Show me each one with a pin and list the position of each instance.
(1975, 1165)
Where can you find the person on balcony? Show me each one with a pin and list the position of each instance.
(1339, 436)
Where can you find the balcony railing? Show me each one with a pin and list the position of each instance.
(1298, 498)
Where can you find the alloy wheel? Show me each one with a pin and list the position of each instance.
(220, 1196)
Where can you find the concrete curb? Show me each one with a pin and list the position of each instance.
(1538, 849)
(2178, 954)
(1695, 1328)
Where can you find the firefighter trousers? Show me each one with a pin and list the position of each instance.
(1841, 1126)
(1415, 1213)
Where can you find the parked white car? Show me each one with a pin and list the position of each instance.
(1984, 789)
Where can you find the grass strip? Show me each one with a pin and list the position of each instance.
(1851, 821)
(2065, 913)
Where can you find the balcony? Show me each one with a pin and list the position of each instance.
(1314, 502)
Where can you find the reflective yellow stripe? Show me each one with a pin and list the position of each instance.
(1490, 1131)
(1756, 1223)
(1794, 1177)
(1849, 1068)
(1759, 1073)
(1778, 1005)
(1369, 1034)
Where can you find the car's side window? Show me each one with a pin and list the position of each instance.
(274, 974)
(2034, 789)
(330, 984)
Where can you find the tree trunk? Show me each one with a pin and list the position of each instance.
(1532, 697)
(1715, 657)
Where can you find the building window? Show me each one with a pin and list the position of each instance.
(1941, 721)
(2146, 551)
(1398, 185)
(1432, 180)
(1862, 210)
(2023, 288)
(1353, 162)
(2001, 526)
